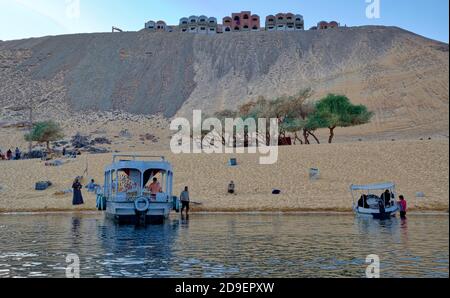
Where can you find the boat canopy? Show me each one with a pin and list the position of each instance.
(140, 165)
(379, 186)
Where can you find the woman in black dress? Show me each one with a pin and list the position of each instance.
(77, 197)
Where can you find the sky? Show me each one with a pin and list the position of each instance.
(35, 18)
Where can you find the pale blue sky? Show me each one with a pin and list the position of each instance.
(34, 18)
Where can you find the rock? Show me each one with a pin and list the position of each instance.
(42, 185)
(79, 141)
(100, 140)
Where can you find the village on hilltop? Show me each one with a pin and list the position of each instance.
(238, 22)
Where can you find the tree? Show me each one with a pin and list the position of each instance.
(45, 132)
(337, 111)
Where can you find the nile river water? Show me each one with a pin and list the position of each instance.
(224, 245)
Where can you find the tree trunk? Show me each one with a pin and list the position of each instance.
(305, 136)
(330, 139)
(314, 136)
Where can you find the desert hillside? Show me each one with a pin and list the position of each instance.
(144, 78)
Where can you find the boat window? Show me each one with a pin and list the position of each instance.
(160, 175)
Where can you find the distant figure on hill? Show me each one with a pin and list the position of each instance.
(64, 151)
(403, 207)
(77, 196)
(17, 153)
(9, 154)
(231, 188)
(185, 200)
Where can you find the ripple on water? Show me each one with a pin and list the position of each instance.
(224, 246)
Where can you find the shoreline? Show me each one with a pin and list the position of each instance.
(209, 212)
(208, 176)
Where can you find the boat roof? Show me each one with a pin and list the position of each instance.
(378, 186)
(121, 161)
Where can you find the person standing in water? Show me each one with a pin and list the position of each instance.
(77, 196)
(185, 200)
(403, 207)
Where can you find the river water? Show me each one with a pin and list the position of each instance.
(224, 245)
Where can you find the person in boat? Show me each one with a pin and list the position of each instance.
(386, 198)
(155, 187)
(231, 188)
(362, 202)
(185, 200)
(403, 207)
(77, 196)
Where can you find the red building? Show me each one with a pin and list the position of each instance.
(243, 21)
(325, 25)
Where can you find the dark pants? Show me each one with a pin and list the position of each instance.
(403, 214)
(184, 204)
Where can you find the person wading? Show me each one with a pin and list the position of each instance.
(185, 200)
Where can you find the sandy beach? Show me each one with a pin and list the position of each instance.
(415, 166)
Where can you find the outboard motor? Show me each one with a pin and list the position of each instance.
(141, 206)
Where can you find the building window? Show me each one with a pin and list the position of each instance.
(245, 17)
(227, 29)
(236, 18)
(255, 28)
(236, 28)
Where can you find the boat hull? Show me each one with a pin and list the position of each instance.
(126, 213)
(376, 214)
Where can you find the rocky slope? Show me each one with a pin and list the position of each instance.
(401, 76)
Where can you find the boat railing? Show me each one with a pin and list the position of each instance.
(135, 157)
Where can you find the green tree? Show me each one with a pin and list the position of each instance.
(45, 132)
(337, 111)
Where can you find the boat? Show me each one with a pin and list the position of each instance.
(373, 205)
(126, 189)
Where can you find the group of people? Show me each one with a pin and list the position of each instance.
(9, 155)
(386, 201)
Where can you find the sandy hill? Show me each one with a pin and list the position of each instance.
(401, 76)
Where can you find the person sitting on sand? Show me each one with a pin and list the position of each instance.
(185, 200)
(91, 186)
(155, 187)
(77, 196)
(231, 188)
(403, 207)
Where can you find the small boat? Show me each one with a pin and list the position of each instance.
(126, 189)
(372, 205)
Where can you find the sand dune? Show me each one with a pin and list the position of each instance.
(415, 166)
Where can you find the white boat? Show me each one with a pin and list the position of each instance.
(128, 198)
(371, 204)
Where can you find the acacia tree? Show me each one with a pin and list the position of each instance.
(45, 132)
(337, 111)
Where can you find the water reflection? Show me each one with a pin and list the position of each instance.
(228, 245)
